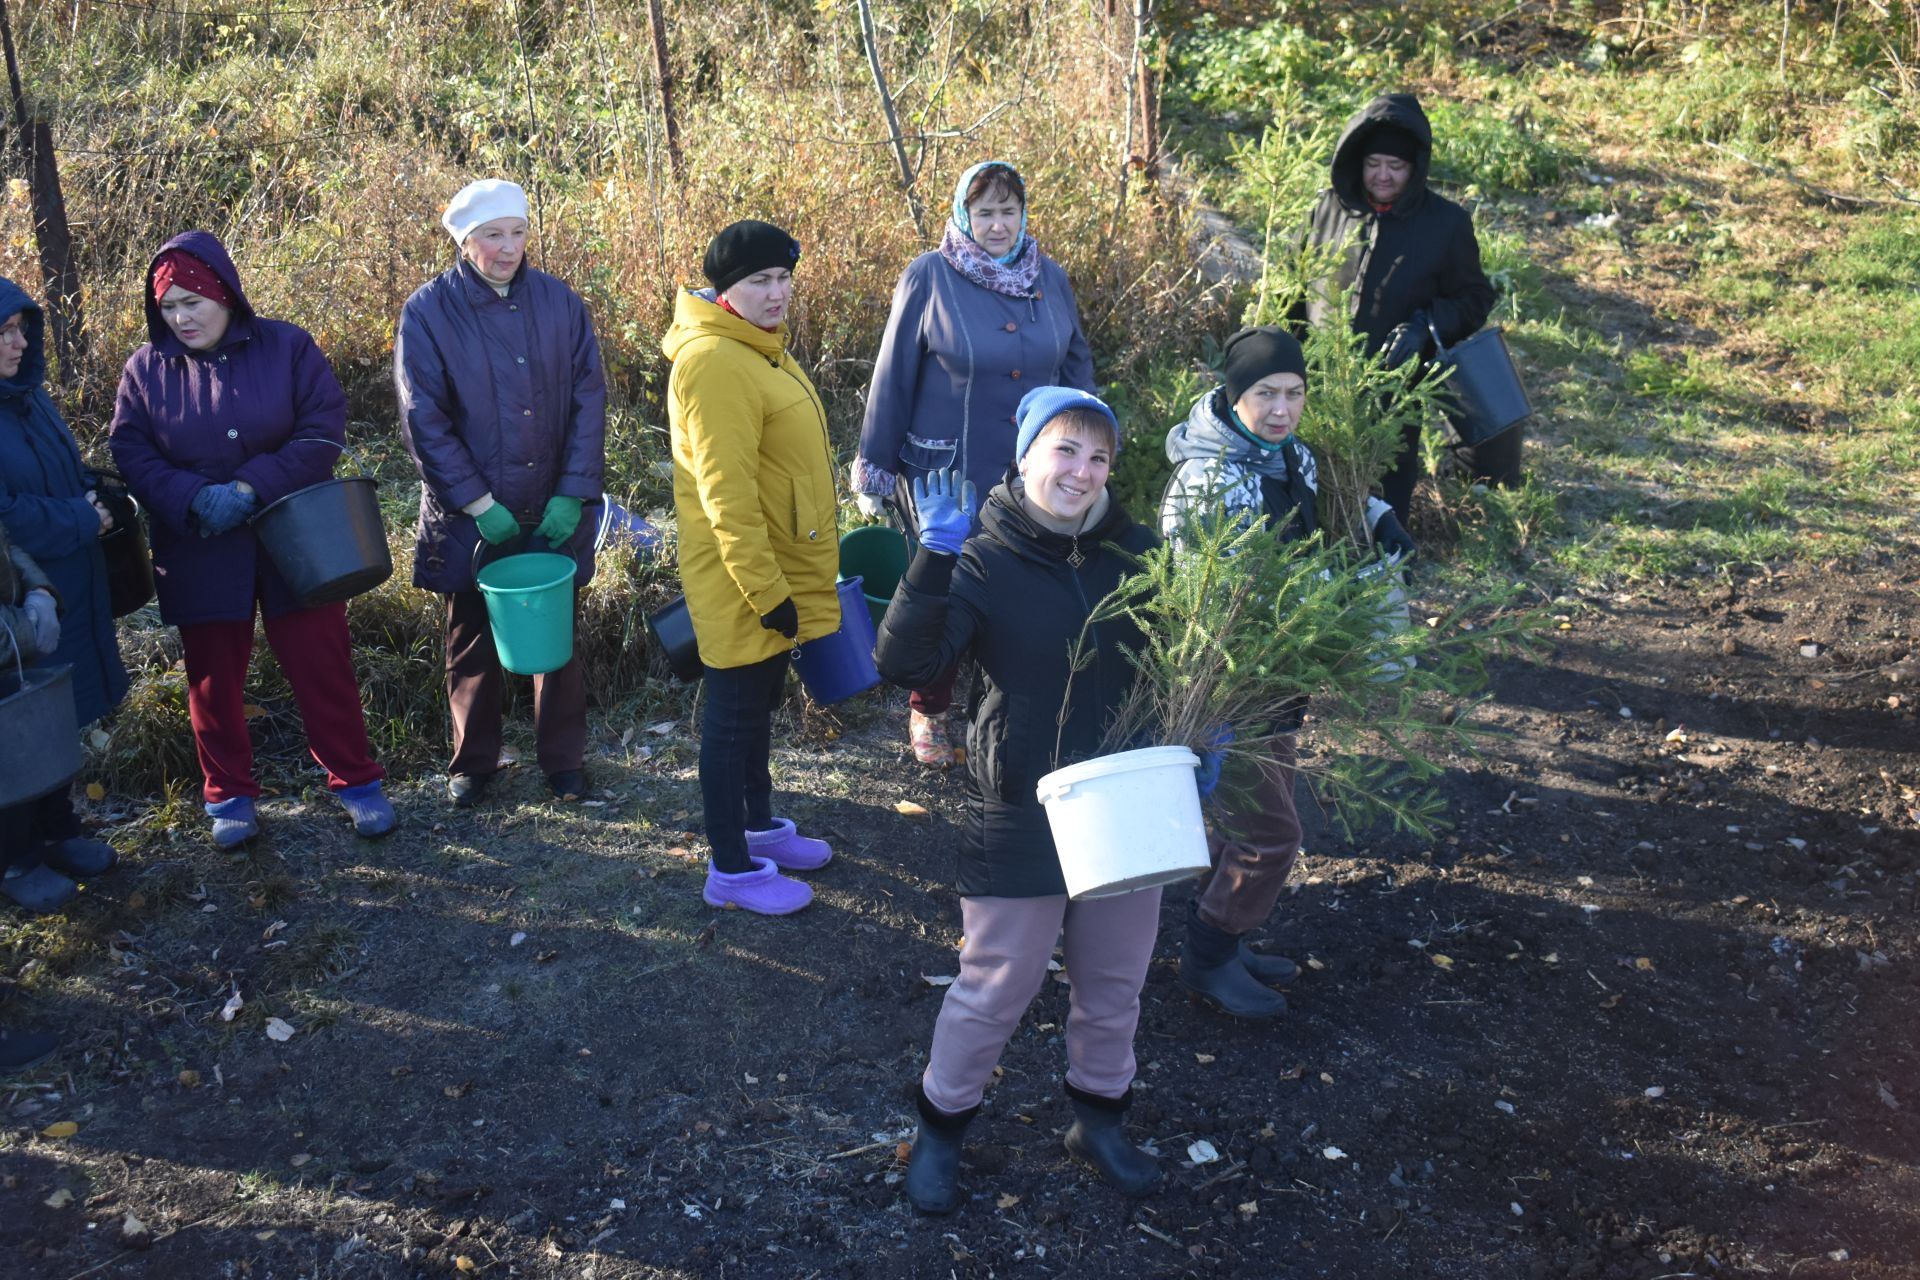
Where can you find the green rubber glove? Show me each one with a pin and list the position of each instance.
(497, 524)
(562, 517)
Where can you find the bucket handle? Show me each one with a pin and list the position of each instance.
(1439, 346)
(1056, 791)
(352, 457)
(519, 544)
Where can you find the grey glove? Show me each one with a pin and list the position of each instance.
(44, 615)
(220, 508)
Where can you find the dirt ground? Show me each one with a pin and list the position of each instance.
(1648, 1011)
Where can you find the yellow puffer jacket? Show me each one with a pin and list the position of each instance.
(752, 484)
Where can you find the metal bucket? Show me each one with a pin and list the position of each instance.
(1485, 388)
(39, 734)
(672, 631)
(328, 540)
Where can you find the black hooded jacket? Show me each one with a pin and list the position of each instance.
(1015, 602)
(1419, 255)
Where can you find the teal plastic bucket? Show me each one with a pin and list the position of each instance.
(878, 555)
(530, 603)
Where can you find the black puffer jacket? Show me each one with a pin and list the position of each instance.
(1015, 602)
(1419, 255)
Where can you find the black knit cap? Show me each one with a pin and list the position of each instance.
(1253, 354)
(1392, 140)
(747, 247)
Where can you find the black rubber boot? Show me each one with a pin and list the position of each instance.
(1099, 1137)
(933, 1168)
(1210, 967)
(1269, 969)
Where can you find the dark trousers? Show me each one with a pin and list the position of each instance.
(475, 683)
(316, 654)
(1396, 487)
(1253, 847)
(736, 742)
(28, 827)
(1496, 461)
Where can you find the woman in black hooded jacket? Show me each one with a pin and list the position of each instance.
(1413, 255)
(1016, 597)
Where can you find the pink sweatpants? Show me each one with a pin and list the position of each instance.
(1109, 943)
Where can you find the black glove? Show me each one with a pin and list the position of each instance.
(1407, 341)
(785, 619)
(1391, 538)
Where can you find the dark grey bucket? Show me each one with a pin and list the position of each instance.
(1485, 389)
(672, 630)
(39, 735)
(328, 540)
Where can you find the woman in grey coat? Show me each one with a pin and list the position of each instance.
(975, 325)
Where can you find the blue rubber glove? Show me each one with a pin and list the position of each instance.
(945, 504)
(1208, 774)
(220, 508)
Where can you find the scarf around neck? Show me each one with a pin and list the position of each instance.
(1015, 279)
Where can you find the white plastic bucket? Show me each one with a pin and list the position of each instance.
(1126, 821)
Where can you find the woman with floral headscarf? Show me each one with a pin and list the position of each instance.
(975, 325)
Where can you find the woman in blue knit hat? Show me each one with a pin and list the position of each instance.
(1015, 598)
(975, 325)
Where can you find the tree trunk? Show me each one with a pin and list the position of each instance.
(52, 237)
(872, 43)
(657, 23)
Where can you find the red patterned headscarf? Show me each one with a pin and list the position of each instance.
(178, 267)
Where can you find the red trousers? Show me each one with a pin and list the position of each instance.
(475, 681)
(316, 655)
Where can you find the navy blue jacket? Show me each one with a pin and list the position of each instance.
(44, 507)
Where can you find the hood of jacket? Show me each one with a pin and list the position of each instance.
(205, 246)
(1401, 110)
(33, 362)
(1007, 522)
(1208, 435)
(698, 314)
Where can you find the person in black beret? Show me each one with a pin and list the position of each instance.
(1412, 255)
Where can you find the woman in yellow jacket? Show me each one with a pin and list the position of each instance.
(759, 546)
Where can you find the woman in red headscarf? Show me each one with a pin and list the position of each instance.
(219, 415)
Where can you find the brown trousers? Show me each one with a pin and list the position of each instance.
(1253, 845)
(475, 682)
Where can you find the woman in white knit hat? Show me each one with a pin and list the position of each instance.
(503, 407)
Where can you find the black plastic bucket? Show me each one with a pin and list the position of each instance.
(39, 735)
(328, 540)
(672, 630)
(1485, 389)
(129, 567)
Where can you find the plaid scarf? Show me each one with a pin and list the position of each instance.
(1015, 279)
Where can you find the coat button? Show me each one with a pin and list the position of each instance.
(813, 535)
(519, 359)
(513, 306)
(1012, 327)
(526, 413)
(1015, 375)
(232, 434)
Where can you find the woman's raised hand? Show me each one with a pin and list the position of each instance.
(945, 504)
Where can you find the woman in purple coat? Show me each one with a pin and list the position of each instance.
(504, 409)
(975, 325)
(219, 415)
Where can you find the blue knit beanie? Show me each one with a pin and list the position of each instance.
(1043, 404)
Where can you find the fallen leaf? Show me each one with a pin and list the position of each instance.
(1611, 1001)
(1007, 1200)
(750, 1079)
(1656, 1091)
(253, 711)
(1504, 1105)
(1204, 1059)
(516, 939)
(1333, 1153)
(908, 809)
(60, 1129)
(1326, 1077)
(545, 956)
(1316, 964)
(1200, 1151)
(59, 1199)
(397, 1072)
(189, 1078)
(1249, 1207)
(272, 929)
(232, 1006)
(938, 979)
(279, 1029)
(463, 1263)
(460, 1090)
(1445, 962)
(903, 1151)
(1643, 964)
(1552, 957)
(96, 792)
(298, 1160)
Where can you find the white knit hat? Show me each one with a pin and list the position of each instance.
(483, 201)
